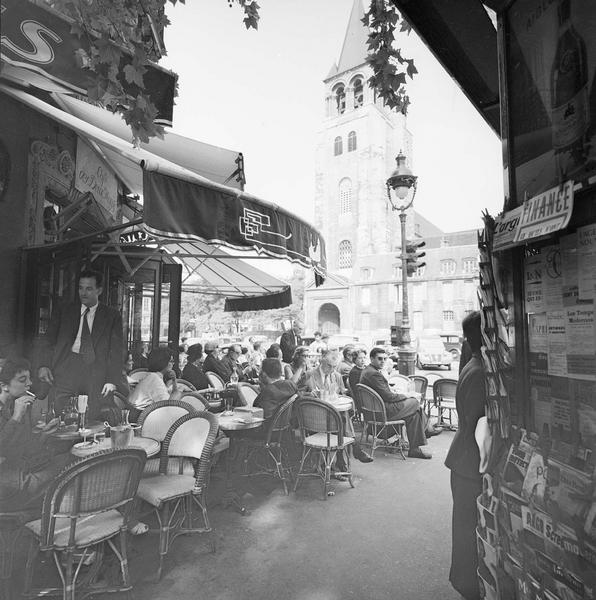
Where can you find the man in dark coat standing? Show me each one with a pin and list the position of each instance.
(290, 340)
(82, 351)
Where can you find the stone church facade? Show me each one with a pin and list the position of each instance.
(356, 149)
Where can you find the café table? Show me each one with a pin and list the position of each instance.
(73, 433)
(233, 425)
(149, 445)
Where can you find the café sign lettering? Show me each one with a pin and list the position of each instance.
(134, 237)
(38, 38)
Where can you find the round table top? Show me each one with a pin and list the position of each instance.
(72, 432)
(149, 445)
(236, 423)
(341, 403)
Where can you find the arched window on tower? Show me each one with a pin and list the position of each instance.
(352, 141)
(340, 99)
(345, 196)
(338, 146)
(345, 254)
(358, 92)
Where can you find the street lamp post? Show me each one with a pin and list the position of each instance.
(399, 185)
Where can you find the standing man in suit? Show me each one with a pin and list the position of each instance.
(290, 340)
(82, 351)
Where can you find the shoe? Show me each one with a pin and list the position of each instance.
(419, 453)
(338, 477)
(139, 528)
(434, 431)
(362, 456)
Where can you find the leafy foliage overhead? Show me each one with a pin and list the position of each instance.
(390, 67)
(124, 36)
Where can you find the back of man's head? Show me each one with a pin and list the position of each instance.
(471, 326)
(210, 346)
(272, 368)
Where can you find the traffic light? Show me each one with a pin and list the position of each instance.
(395, 335)
(413, 256)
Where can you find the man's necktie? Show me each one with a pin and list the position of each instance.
(86, 351)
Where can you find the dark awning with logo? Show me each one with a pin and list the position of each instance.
(211, 228)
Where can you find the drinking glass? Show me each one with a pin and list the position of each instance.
(82, 409)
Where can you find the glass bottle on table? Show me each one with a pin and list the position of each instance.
(70, 414)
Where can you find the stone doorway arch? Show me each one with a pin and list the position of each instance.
(329, 319)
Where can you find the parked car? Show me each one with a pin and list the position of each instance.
(431, 352)
(452, 343)
(340, 340)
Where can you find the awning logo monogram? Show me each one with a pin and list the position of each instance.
(252, 223)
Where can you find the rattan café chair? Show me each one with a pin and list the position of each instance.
(270, 447)
(321, 432)
(89, 503)
(173, 496)
(376, 422)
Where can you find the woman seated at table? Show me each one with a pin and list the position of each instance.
(159, 384)
(27, 461)
(193, 371)
(275, 390)
(298, 366)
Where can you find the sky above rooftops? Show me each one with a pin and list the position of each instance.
(261, 92)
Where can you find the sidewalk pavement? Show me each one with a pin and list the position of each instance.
(390, 537)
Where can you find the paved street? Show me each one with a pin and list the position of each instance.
(387, 538)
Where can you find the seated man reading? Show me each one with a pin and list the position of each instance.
(398, 406)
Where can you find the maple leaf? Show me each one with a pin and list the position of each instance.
(133, 75)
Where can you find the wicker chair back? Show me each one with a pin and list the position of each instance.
(217, 383)
(247, 393)
(104, 481)
(157, 418)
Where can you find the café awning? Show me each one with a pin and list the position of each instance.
(464, 40)
(192, 217)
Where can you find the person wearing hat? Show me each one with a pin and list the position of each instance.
(193, 371)
(213, 362)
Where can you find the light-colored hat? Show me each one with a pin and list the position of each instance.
(211, 345)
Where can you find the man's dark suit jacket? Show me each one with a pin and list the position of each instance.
(288, 343)
(106, 337)
(374, 379)
(195, 375)
(216, 366)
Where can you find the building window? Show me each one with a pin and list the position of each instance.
(345, 196)
(358, 92)
(418, 320)
(393, 294)
(448, 315)
(419, 272)
(351, 141)
(338, 146)
(448, 267)
(340, 99)
(419, 294)
(345, 254)
(396, 272)
(365, 296)
(447, 292)
(365, 321)
(366, 274)
(470, 265)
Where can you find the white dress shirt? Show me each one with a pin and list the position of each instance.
(76, 347)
